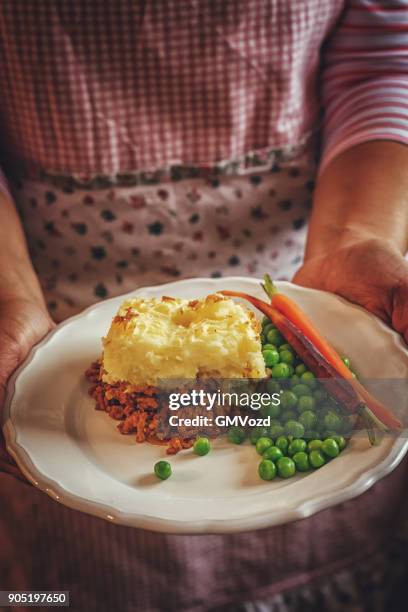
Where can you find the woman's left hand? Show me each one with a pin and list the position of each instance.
(23, 323)
(368, 272)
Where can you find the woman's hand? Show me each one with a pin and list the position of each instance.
(23, 322)
(368, 272)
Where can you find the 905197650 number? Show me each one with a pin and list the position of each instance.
(35, 598)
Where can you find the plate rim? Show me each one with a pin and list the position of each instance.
(211, 526)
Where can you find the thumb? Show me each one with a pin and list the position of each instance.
(399, 305)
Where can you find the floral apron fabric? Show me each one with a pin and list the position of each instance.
(91, 244)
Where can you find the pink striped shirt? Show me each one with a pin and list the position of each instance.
(122, 86)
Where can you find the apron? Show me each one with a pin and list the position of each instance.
(89, 244)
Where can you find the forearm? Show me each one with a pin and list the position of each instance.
(17, 276)
(361, 194)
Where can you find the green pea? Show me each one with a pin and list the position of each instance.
(276, 430)
(281, 370)
(270, 410)
(296, 446)
(262, 444)
(273, 453)
(301, 389)
(269, 347)
(316, 459)
(271, 358)
(294, 428)
(330, 448)
(285, 347)
(308, 418)
(272, 386)
(265, 321)
(288, 415)
(341, 442)
(301, 460)
(286, 357)
(315, 444)
(282, 443)
(267, 328)
(267, 469)
(286, 467)
(274, 337)
(236, 435)
(332, 420)
(202, 446)
(300, 369)
(294, 380)
(306, 402)
(291, 370)
(346, 362)
(309, 379)
(162, 469)
(288, 399)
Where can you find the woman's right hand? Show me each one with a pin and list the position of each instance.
(23, 323)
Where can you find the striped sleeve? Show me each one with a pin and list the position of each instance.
(365, 77)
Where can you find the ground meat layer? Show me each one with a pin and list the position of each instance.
(135, 409)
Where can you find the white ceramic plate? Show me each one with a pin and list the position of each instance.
(75, 454)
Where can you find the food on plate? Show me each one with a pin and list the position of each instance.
(321, 358)
(151, 340)
(267, 470)
(162, 469)
(155, 339)
(236, 434)
(301, 461)
(202, 446)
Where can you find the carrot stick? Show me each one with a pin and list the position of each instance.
(295, 314)
(299, 318)
(378, 410)
(339, 388)
(287, 307)
(304, 348)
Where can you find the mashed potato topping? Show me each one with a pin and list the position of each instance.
(152, 339)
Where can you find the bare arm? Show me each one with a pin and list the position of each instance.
(363, 193)
(359, 231)
(24, 319)
(17, 276)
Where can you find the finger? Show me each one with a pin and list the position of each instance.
(7, 463)
(9, 360)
